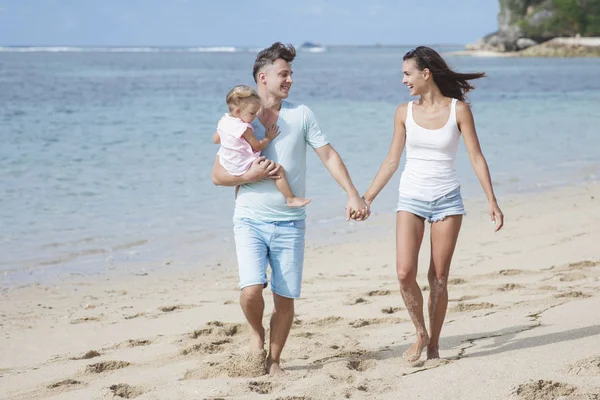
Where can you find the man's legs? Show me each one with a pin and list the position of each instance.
(253, 306)
(286, 258)
(251, 239)
(281, 323)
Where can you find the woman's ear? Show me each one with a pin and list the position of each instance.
(426, 73)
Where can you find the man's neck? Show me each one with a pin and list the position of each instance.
(269, 102)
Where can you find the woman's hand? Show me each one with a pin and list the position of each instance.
(496, 215)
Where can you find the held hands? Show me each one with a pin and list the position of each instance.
(496, 215)
(272, 132)
(357, 209)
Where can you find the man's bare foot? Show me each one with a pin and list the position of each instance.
(295, 202)
(274, 369)
(257, 342)
(414, 351)
(433, 353)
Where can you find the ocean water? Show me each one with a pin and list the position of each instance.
(106, 153)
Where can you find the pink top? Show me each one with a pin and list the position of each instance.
(235, 153)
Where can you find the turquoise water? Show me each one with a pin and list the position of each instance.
(106, 156)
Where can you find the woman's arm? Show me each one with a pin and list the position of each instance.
(392, 160)
(466, 124)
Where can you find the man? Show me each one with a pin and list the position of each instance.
(266, 230)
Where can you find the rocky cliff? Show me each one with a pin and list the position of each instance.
(525, 23)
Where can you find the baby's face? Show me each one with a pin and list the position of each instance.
(248, 112)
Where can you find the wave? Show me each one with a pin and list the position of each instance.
(211, 49)
(68, 49)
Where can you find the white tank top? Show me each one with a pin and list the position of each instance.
(430, 155)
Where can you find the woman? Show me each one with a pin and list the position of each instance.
(429, 189)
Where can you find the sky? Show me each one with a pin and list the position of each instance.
(244, 22)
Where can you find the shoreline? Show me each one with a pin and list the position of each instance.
(183, 259)
(517, 299)
(152, 255)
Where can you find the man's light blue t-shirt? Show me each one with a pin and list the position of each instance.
(262, 200)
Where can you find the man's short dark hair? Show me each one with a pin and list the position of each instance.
(270, 54)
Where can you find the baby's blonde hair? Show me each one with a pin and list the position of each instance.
(241, 94)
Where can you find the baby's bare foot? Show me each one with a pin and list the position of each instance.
(296, 202)
(414, 351)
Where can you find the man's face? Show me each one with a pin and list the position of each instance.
(278, 78)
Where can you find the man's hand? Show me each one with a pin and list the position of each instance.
(262, 169)
(356, 208)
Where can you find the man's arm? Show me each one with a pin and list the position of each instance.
(333, 162)
(216, 139)
(259, 170)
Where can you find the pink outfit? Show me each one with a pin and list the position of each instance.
(236, 154)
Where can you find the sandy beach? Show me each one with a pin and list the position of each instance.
(523, 321)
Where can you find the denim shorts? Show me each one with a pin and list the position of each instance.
(279, 244)
(436, 210)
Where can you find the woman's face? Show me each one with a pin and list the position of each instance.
(413, 77)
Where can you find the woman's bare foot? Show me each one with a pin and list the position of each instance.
(414, 351)
(257, 342)
(295, 202)
(433, 353)
(273, 368)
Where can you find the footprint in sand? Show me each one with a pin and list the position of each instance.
(306, 335)
(204, 348)
(135, 315)
(249, 364)
(359, 323)
(84, 320)
(509, 287)
(360, 365)
(547, 287)
(571, 277)
(583, 264)
(87, 356)
(391, 310)
(573, 295)
(360, 300)
(327, 321)
(379, 293)
(543, 390)
(126, 391)
(63, 384)
(460, 307)
(456, 281)
(350, 354)
(218, 328)
(510, 272)
(134, 343)
(263, 387)
(106, 366)
(226, 329)
(167, 309)
(587, 366)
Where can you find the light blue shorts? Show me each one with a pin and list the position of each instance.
(436, 210)
(279, 244)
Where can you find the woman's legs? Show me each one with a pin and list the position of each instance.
(409, 235)
(444, 235)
